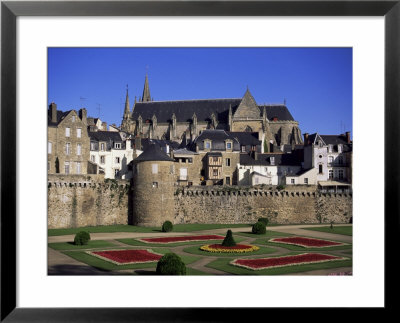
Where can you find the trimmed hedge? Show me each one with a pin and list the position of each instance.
(259, 228)
(229, 241)
(82, 238)
(167, 226)
(264, 220)
(171, 264)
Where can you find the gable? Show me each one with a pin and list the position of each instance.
(247, 108)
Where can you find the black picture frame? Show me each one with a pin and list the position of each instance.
(10, 10)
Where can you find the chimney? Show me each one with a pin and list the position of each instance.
(348, 136)
(306, 139)
(138, 143)
(53, 112)
(83, 115)
(104, 126)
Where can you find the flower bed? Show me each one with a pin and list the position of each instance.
(307, 242)
(126, 257)
(274, 262)
(181, 239)
(221, 248)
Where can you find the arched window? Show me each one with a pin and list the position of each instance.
(248, 129)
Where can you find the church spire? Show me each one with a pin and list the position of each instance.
(127, 110)
(146, 90)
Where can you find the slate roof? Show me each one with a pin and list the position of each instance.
(218, 138)
(105, 136)
(146, 142)
(264, 160)
(333, 140)
(60, 116)
(152, 153)
(246, 138)
(184, 110)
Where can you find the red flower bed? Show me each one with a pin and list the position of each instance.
(123, 257)
(307, 242)
(273, 262)
(182, 239)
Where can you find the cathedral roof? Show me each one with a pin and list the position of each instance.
(203, 109)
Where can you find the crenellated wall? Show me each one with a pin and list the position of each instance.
(293, 205)
(79, 201)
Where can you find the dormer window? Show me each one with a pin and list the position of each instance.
(340, 148)
(117, 145)
(329, 148)
(207, 144)
(228, 145)
(272, 160)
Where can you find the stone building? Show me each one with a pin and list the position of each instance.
(153, 191)
(186, 119)
(68, 141)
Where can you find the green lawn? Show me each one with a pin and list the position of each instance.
(197, 251)
(224, 265)
(133, 228)
(345, 230)
(108, 266)
(134, 242)
(90, 245)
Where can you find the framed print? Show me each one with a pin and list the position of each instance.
(370, 28)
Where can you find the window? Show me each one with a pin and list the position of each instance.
(79, 133)
(320, 156)
(48, 166)
(330, 160)
(320, 169)
(154, 168)
(215, 159)
(92, 146)
(340, 148)
(207, 145)
(190, 160)
(67, 148)
(228, 180)
(330, 148)
(102, 146)
(73, 118)
(272, 160)
(330, 174)
(116, 172)
(306, 181)
(78, 149)
(183, 174)
(292, 181)
(117, 160)
(66, 167)
(155, 184)
(340, 173)
(67, 132)
(228, 145)
(227, 162)
(117, 145)
(102, 159)
(93, 158)
(215, 172)
(78, 167)
(49, 146)
(243, 148)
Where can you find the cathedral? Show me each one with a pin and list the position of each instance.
(184, 120)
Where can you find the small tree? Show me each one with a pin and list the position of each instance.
(229, 241)
(264, 220)
(82, 238)
(167, 226)
(170, 264)
(259, 228)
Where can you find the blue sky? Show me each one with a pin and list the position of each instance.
(315, 82)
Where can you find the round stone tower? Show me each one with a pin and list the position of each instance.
(153, 187)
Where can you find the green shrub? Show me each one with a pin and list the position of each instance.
(280, 187)
(171, 264)
(259, 228)
(264, 220)
(229, 241)
(82, 238)
(167, 226)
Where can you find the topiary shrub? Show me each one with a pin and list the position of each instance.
(170, 264)
(229, 241)
(259, 228)
(167, 226)
(264, 220)
(82, 238)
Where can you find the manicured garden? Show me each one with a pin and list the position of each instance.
(345, 230)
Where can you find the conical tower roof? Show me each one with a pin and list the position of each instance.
(127, 110)
(146, 90)
(153, 153)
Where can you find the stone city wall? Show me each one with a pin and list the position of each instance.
(80, 200)
(233, 205)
